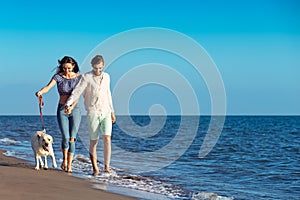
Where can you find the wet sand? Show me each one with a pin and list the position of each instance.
(20, 181)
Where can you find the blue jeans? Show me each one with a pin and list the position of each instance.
(69, 126)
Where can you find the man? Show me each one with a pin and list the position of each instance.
(95, 87)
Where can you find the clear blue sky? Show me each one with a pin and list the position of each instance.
(255, 45)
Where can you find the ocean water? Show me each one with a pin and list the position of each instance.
(254, 157)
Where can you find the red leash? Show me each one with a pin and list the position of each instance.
(41, 105)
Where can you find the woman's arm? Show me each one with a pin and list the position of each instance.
(46, 88)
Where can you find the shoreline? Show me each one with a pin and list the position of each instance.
(19, 180)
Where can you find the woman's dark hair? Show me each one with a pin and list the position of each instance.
(67, 59)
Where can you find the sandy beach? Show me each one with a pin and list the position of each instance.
(19, 180)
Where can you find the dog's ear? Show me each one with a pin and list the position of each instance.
(52, 140)
(38, 134)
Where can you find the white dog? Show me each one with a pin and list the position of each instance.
(41, 144)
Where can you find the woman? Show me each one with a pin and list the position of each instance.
(66, 80)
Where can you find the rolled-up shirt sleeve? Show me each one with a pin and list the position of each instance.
(80, 87)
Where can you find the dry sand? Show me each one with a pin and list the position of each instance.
(19, 180)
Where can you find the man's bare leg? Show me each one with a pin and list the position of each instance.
(107, 152)
(93, 156)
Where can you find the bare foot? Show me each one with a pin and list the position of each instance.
(107, 170)
(63, 166)
(96, 172)
(70, 170)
